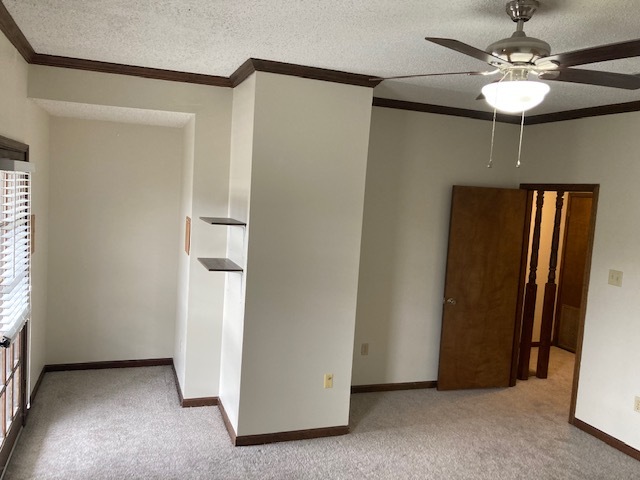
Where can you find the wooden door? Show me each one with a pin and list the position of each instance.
(484, 260)
(572, 270)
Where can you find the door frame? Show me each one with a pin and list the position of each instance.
(569, 188)
(556, 323)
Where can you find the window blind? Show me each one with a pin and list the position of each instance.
(15, 253)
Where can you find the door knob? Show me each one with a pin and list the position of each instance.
(451, 301)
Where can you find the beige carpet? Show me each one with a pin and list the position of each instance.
(126, 424)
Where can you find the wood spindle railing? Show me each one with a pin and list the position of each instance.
(531, 292)
(548, 307)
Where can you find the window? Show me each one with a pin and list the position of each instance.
(15, 288)
(15, 253)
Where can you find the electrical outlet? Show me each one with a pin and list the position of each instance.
(328, 380)
(615, 278)
(636, 405)
(364, 349)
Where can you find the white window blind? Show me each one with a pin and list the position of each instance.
(15, 253)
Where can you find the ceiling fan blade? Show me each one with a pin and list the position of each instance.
(613, 51)
(490, 72)
(468, 50)
(593, 77)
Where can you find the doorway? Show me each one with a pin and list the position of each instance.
(559, 319)
(490, 285)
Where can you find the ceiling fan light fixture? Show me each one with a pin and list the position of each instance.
(515, 96)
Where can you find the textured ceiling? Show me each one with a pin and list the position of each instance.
(115, 114)
(373, 37)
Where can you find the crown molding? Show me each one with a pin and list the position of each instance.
(11, 30)
(120, 69)
(584, 113)
(442, 110)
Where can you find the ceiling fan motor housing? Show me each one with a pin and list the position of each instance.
(519, 48)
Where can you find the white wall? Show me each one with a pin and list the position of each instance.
(114, 211)
(22, 120)
(239, 203)
(602, 150)
(201, 321)
(182, 297)
(307, 191)
(414, 159)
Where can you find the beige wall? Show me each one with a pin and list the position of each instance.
(200, 319)
(414, 159)
(242, 129)
(182, 297)
(602, 150)
(112, 267)
(308, 167)
(22, 120)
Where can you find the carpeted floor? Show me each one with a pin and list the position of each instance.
(126, 424)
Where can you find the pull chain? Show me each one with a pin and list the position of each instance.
(493, 127)
(520, 143)
(493, 134)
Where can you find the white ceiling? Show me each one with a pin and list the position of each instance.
(159, 118)
(373, 37)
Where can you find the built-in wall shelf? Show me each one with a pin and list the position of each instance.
(223, 221)
(220, 265)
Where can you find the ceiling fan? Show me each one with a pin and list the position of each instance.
(517, 57)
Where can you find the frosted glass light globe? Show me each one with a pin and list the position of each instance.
(515, 96)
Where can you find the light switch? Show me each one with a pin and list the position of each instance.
(615, 278)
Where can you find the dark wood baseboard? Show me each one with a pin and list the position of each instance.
(227, 422)
(389, 387)
(148, 362)
(606, 438)
(200, 402)
(191, 402)
(248, 440)
(36, 387)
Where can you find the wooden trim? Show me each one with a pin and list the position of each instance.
(313, 73)
(36, 387)
(560, 187)
(441, 110)
(177, 382)
(550, 294)
(390, 387)
(12, 31)
(584, 113)
(187, 235)
(14, 145)
(150, 362)
(595, 189)
(227, 422)
(530, 292)
(10, 439)
(9, 27)
(246, 440)
(200, 402)
(243, 72)
(606, 438)
(132, 70)
(535, 344)
(558, 309)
